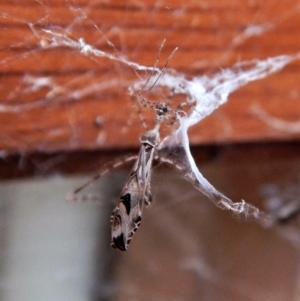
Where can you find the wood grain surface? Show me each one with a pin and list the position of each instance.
(59, 99)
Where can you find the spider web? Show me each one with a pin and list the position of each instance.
(205, 93)
(102, 46)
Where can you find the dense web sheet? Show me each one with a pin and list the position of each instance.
(207, 94)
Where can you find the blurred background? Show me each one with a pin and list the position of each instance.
(185, 248)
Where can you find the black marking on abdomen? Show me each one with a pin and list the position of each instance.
(127, 202)
(119, 243)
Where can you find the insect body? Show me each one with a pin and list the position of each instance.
(126, 217)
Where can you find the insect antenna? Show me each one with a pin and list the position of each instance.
(164, 67)
(155, 65)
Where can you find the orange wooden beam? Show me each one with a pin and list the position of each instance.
(76, 90)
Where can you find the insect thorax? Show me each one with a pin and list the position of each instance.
(150, 138)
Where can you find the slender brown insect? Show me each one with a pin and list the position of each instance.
(127, 215)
